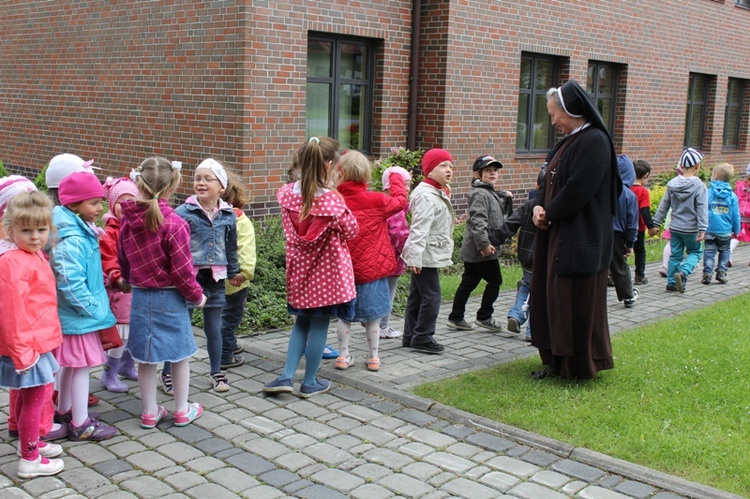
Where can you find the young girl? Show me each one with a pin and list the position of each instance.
(154, 256)
(319, 275)
(429, 247)
(742, 190)
(213, 243)
(371, 251)
(236, 195)
(83, 305)
(119, 360)
(31, 331)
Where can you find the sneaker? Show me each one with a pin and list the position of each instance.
(663, 272)
(527, 338)
(679, 281)
(640, 280)
(49, 450)
(91, 430)
(373, 364)
(671, 288)
(239, 349)
(432, 347)
(329, 353)
(388, 333)
(194, 411)
(320, 386)
(461, 325)
(221, 384)
(166, 383)
(12, 433)
(65, 419)
(489, 324)
(59, 431)
(149, 421)
(344, 363)
(513, 325)
(279, 386)
(40, 467)
(629, 302)
(235, 361)
(706, 279)
(721, 277)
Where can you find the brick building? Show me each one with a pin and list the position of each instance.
(248, 81)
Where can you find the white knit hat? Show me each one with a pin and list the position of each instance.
(63, 165)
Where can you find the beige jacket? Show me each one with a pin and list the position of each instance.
(430, 242)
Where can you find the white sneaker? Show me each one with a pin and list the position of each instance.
(32, 469)
(49, 450)
(387, 333)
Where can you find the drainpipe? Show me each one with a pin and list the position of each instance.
(416, 21)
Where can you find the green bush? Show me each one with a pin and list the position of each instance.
(406, 159)
(40, 181)
(3, 171)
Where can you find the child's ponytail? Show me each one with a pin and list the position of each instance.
(312, 160)
(156, 178)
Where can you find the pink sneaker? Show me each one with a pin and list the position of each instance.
(194, 411)
(149, 421)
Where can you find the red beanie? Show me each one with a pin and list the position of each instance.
(434, 157)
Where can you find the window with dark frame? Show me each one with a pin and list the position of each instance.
(742, 3)
(695, 115)
(340, 89)
(602, 86)
(733, 113)
(534, 132)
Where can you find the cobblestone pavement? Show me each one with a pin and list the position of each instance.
(367, 438)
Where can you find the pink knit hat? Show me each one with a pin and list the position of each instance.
(434, 157)
(12, 185)
(79, 186)
(116, 187)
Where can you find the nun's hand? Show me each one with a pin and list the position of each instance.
(540, 217)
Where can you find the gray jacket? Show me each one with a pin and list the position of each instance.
(485, 223)
(430, 241)
(688, 199)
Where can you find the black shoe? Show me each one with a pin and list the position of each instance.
(706, 279)
(432, 347)
(721, 277)
(640, 280)
(671, 288)
(543, 374)
(679, 281)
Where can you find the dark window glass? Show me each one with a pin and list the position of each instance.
(602, 85)
(733, 113)
(695, 114)
(534, 131)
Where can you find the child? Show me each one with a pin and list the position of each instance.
(478, 249)
(521, 221)
(625, 234)
(319, 274)
(236, 296)
(83, 305)
(154, 256)
(686, 196)
(723, 223)
(742, 190)
(371, 251)
(428, 248)
(29, 328)
(119, 361)
(213, 243)
(398, 232)
(642, 174)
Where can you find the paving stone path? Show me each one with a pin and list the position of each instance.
(369, 437)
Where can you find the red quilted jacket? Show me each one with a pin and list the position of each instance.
(372, 252)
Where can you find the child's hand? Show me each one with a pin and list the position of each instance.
(237, 280)
(124, 286)
(701, 236)
(414, 270)
(653, 231)
(628, 252)
(489, 250)
(202, 304)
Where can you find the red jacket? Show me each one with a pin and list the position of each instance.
(29, 325)
(119, 302)
(372, 253)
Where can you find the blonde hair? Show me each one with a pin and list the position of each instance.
(355, 167)
(27, 209)
(235, 193)
(723, 172)
(157, 179)
(312, 159)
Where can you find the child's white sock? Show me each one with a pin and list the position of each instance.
(181, 384)
(343, 332)
(373, 338)
(147, 384)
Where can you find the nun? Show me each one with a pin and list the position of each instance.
(573, 249)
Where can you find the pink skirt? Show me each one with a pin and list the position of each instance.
(80, 350)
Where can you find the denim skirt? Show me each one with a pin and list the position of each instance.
(42, 373)
(215, 291)
(343, 311)
(160, 328)
(373, 301)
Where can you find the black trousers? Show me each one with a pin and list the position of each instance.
(619, 268)
(473, 274)
(639, 249)
(422, 308)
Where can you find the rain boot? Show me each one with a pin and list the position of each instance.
(109, 376)
(127, 367)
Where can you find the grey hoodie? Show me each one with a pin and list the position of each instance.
(688, 199)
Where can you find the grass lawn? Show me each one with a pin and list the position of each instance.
(677, 401)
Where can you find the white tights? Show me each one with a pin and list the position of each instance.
(147, 382)
(343, 332)
(73, 393)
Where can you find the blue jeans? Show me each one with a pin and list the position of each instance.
(714, 244)
(522, 297)
(231, 316)
(682, 242)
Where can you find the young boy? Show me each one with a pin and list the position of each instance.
(723, 223)
(642, 174)
(626, 233)
(479, 247)
(687, 197)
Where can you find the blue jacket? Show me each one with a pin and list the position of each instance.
(723, 210)
(82, 301)
(212, 242)
(626, 218)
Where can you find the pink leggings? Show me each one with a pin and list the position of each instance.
(29, 404)
(48, 410)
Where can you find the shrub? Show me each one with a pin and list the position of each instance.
(40, 180)
(3, 171)
(406, 159)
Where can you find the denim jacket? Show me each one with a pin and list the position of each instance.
(212, 242)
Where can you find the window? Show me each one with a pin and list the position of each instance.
(534, 129)
(733, 114)
(695, 116)
(602, 85)
(339, 90)
(743, 3)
